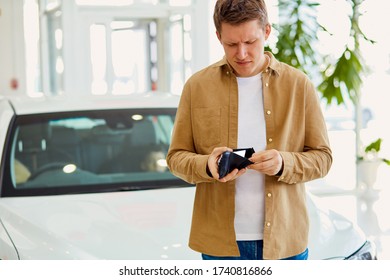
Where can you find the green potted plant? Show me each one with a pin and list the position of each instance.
(368, 163)
(342, 77)
(296, 33)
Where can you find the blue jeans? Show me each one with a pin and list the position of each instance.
(253, 250)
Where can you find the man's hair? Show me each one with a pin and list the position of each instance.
(235, 12)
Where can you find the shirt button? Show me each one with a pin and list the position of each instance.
(268, 224)
(266, 70)
(268, 112)
(269, 194)
(266, 84)
(270, 140)
(227, 73)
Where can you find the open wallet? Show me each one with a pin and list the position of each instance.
(232, 160)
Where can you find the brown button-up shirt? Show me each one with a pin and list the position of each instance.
(207, 117)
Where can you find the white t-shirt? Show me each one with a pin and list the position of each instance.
(249, 209)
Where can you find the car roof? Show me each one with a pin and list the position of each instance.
(24, 105)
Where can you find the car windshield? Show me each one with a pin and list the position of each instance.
(76, 152)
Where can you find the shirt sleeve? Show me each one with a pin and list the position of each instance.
(316, 158)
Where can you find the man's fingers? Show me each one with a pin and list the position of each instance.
(268, 162)
(232, 175)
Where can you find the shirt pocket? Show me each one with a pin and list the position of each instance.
(207, 123)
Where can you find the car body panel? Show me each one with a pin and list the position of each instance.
(6, 114)
(151, 224)
(7, 248)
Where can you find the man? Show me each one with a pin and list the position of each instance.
(249, 99)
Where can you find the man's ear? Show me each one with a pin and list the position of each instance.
(218, 36)
(267, 30)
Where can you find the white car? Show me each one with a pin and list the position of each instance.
(86, 178)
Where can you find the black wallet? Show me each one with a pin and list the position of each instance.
(230, 161)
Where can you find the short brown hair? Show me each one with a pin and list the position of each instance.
(239, 11)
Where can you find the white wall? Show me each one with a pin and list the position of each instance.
(11, 46)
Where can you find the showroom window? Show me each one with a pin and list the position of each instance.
(108, 46)
(55, 52)
(98, 58)
(133, 55)
(32, 51)
(181, 52)
(118, 65)
(43, 35)
(131, 2)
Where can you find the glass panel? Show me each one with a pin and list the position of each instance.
(99, 148)
(181, 51)
(180, 2)
(31, 38)
(52, 4)
(153, 2)
(104, 2)
(177, 3)
(177, 56)
(117, 2)
(130, 58)
(187, 41)
(98, 58)
(153, 58)
(56, 65)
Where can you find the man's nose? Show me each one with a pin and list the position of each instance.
(241, 51)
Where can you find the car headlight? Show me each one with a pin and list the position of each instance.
(366, 252)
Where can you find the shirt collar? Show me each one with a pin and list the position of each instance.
(274, 65)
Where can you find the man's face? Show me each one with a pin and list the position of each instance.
(244, 46)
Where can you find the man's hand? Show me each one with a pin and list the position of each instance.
(269, 162)
(213, 165)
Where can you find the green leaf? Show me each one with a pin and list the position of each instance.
(374, 146)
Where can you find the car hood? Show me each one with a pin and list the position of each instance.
(121, 225)
(149, 224)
